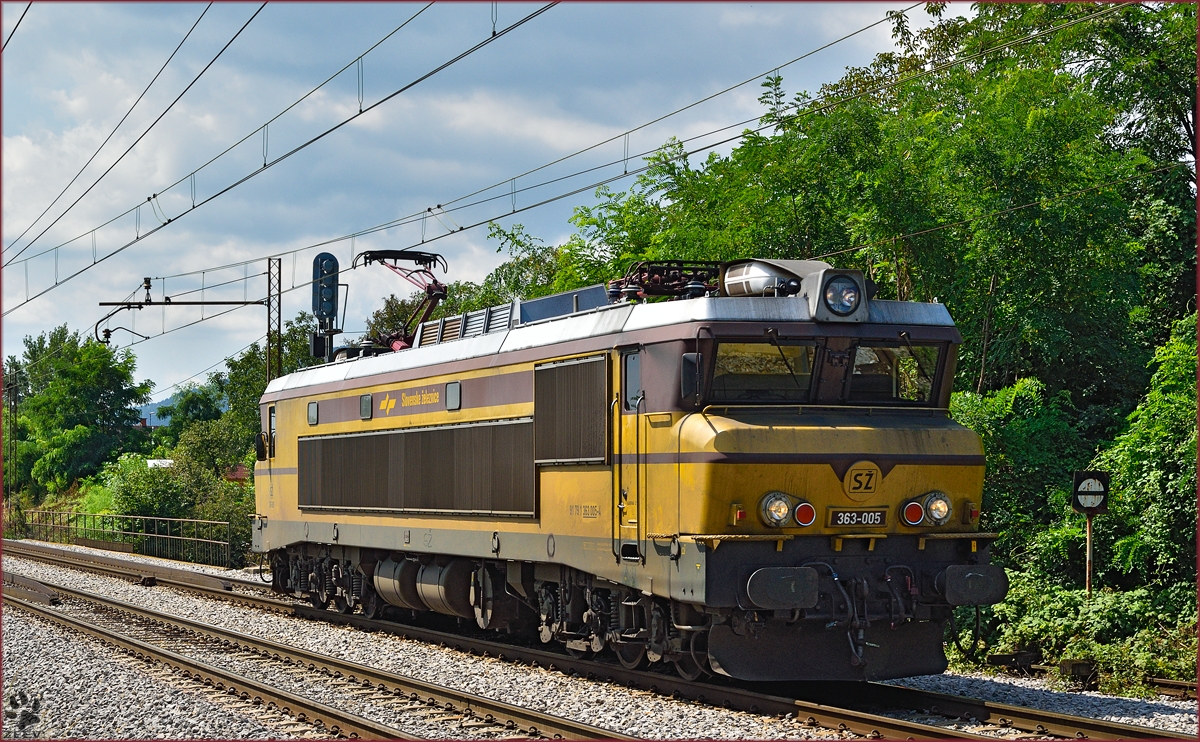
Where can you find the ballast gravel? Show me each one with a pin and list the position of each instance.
(1160, 713)
(633, 712)
(249, 573)
(65, 685)
(608, 706)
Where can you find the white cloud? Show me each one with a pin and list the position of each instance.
(516, 119)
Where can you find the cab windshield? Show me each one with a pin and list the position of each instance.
(762, 372)
(894, 373)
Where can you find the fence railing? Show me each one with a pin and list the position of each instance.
(184, 539)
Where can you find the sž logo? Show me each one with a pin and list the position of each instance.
(861, 481)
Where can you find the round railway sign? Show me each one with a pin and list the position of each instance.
(1090, 493)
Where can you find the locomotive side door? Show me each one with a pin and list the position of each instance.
(629, 447)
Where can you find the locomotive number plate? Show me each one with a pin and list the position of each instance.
(861, 517)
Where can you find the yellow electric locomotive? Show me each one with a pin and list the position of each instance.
(744, 468)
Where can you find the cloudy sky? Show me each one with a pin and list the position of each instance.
(572, 77)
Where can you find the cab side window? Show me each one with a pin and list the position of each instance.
(271, 431)
(631, 381)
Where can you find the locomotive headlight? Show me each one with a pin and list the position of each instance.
(776, 509)
(842, 295)
(937, 507)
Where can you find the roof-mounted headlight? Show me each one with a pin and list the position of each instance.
(842, 295)
(776, 509)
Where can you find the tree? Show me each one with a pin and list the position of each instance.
(77, 409)
(193, 403)
(1152, 520)
(245, 380)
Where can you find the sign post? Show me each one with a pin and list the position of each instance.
(1089, 496)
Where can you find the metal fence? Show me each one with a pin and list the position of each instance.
(199, 541)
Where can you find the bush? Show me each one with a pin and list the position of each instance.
(1130, 635)
(1032, 446)
(139, 490)
(95, 497)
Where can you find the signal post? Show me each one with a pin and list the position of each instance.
(1089, 496)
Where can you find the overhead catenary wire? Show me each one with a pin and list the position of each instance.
(999, 212)
(293, 151)
(14, 30)
(113, 132)
(813, 108)
(191, 177)
(809, 110)
(539, 168)
(143, 134)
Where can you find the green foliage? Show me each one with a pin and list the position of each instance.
(140, 490)
(1031, 446)
(213, 445)
(193, 403)
(1152, 523)
(245, 380)
(94, 497)
(1130, 635)
(76, 409)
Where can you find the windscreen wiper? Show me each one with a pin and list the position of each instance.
(773, 335)
(913, 352)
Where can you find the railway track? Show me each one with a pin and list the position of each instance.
(407, 694)
(337, 722)
(821, 705)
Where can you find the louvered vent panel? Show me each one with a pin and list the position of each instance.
(499, 318)
(479, 469)
(429, 333)
(476, 323)
(451, 327)
(570, 411)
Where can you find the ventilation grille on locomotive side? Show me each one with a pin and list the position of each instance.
(570, 418)
(483, 468)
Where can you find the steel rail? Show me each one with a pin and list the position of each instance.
(812, 714)
(313, 712)
(146, 573)
(986, 712)
(819, 704)
(715, 693)
(146, 568)
(526, 721)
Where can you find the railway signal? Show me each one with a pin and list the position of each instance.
(1089, 496)
(324, 304)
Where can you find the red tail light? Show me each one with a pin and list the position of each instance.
(806, 514)
(914, 513)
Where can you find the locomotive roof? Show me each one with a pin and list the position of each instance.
(605, 320)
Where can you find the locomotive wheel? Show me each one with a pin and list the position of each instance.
(694, 664)
(318, 601)
(687, 668)
(372, 604)
(632, 656)
(341, 605)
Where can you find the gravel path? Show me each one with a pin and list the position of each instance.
(1161, 713)
(71, 686)
(630, 711)
(249, 573)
